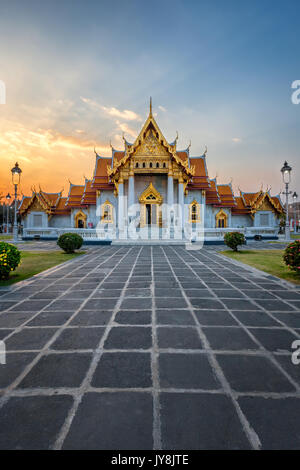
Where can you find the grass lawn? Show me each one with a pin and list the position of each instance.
(5, 237)
(33, 262)
(269, 261)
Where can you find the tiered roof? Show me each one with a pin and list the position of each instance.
(212, 194)
(226, 195)
(193, 169)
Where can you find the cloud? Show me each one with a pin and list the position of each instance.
(126, 114)
(126, 129)
(162, 109)
(236, 139)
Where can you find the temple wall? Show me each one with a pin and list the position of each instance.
(60, 221)
(240, 221)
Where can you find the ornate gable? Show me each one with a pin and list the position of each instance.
(151, 143)
(151, 146)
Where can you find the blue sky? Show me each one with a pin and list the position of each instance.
(219, 72)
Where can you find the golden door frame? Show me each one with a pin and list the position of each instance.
(80, 216)
(151, 196)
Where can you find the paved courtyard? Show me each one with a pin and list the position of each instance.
(150, 348)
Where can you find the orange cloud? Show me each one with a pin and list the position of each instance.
(46, 156)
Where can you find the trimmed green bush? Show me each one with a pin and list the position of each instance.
(69, 242)
(10, 258)
(291, 256)
(234, 239)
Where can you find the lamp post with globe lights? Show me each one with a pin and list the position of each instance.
(8, 198)
(16, 176)
(286, 176)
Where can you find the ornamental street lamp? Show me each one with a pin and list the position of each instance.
(16, 176)
(286, 176)
(8, 198)
(295, 197)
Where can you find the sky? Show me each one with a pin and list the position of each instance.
(79, 73)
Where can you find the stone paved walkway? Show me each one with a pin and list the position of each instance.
(150, 347)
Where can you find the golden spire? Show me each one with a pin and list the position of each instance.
(150, 112)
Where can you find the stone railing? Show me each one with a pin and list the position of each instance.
(93, 234)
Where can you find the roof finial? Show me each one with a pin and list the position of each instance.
(205, 151)
(150, 113)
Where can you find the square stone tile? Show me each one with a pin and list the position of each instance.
(50, 318)
(137, 303)
(67, 305)
(134, 317)
(33, 422)
(275, 305)
(4, 333)
(58, 370)
(259, 294)
(120, 420)
(91, 317)
(178, 338)
(100, 304)
(276, 421)
(203, 293)
(13, 319)
(288, 294)
(129, 337)
(240, 304)
(123, 370)
(292, 369)
(213, 423)
(137, 293)
(4, 305)
(170, 302)
(215, 318)
(253, 374)
(252, 318)
(186, 371)
(30, 305)
(207, 304)
(107, 293)
(290, 319)
(274, 339)
(171, 292)
(228, 294)
(30, 339)
(15, 364)
(228, 338)
(78, 338)
(174, 317)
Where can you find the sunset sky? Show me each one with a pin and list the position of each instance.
(79, 73)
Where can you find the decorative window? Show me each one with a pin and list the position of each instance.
(221, 219)
(107, 213)
(157, 165)
(194, 212)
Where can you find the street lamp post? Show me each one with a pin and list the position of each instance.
(8, 198)
(295, 197)
(286, 176)
(16, 176)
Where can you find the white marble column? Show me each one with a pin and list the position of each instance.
(181, 201)
(121, 206)
(170, 204)
(170, 190)
(130, 191)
